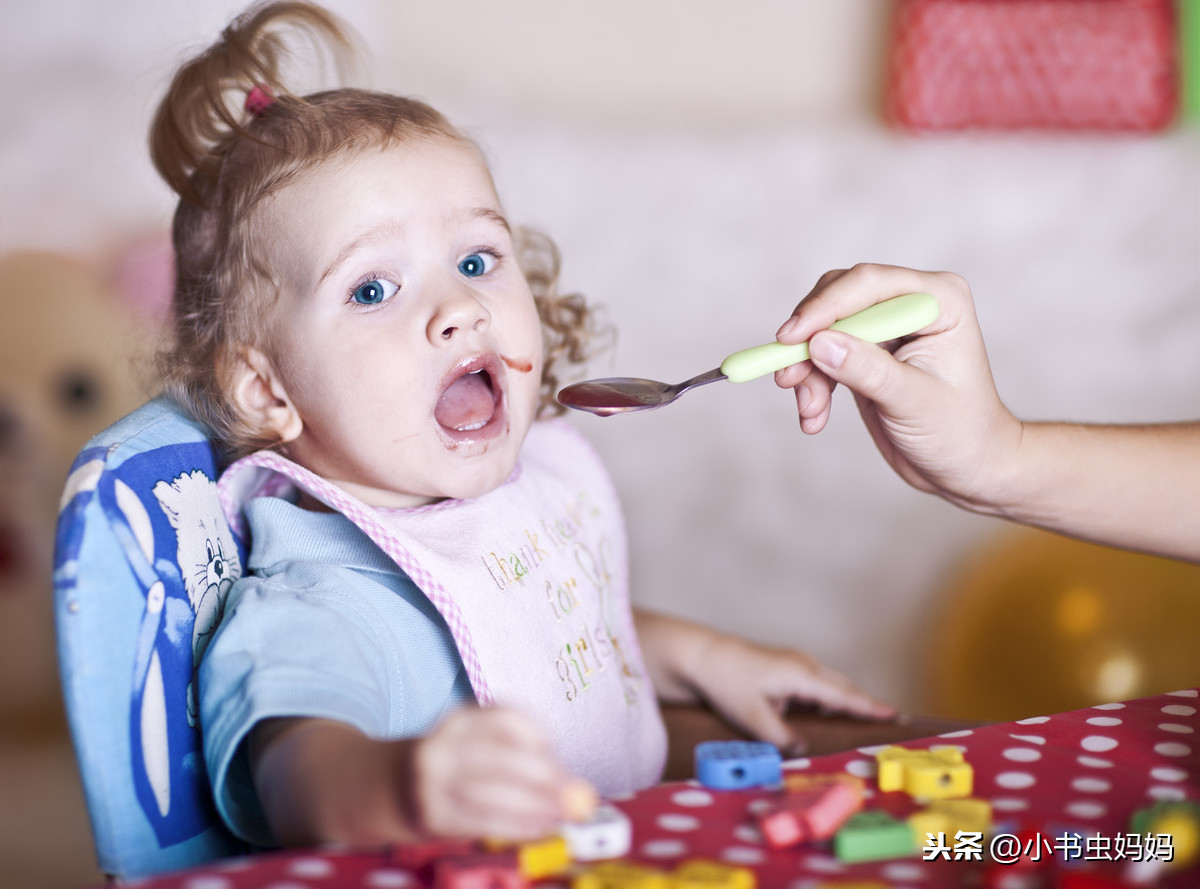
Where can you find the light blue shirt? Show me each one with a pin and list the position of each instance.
(323, 625)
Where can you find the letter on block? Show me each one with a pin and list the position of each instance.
(873, 836)
(732, 765)
(607, 834)
(936, 773)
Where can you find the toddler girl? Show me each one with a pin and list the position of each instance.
(375, 347)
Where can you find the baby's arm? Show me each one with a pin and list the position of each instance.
(933, 411)
(480, 773)
(750, 685)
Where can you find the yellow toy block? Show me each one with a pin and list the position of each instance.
(949, 816)
(544, 858)
(799, 782)
(621, 875)
(936, 773)
(701, 874)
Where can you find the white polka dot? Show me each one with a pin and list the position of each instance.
(1022, 754)
(1167, 773)
(872, 750)
(208, 881)
(861, 768)
(1033, 720)
(1015, 780)
(1184, 693)
(1109, 707)
(824, 865)
(310, 868)
(1172, 748)
(965, 733)
(1009, 804)
(1176, 728)
(1029, 739)
(1091, 785)
(748, 833)
(1179, 710)
(665, 848)
(388, 879)
(1018, 881)
(903, 871)
(1085, 808)
(743, 855)
(626, 796)
(1104, 720)
(1098, 743)
(1161, 792)
(1094, 762)
(692, 798)
(677, 822)
(802, 763)
(286, 884)
(759, 806)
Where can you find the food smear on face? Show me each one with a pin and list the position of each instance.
(521, 367)
(467, 404)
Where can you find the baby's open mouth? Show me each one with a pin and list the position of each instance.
(471, 400)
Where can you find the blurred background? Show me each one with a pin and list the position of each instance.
(700, 165)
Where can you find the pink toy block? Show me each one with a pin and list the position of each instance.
(811, 814)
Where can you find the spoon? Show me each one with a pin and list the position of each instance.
(883, 321)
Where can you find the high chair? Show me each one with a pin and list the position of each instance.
(143, 559)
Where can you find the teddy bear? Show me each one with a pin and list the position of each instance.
(76, 338)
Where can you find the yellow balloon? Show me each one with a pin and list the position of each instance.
(1036, 623)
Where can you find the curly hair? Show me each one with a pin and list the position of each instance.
(222, 155)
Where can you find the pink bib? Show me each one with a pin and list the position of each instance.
(532, 580)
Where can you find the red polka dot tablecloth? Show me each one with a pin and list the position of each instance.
(1082, 774)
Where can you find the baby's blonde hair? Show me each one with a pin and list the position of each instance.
(222, 159)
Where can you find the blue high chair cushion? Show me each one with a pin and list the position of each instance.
(144, 558)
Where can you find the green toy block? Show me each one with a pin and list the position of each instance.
(873, 836)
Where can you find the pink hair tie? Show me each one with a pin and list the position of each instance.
(258, 100)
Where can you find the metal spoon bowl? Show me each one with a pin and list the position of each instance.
(888, 320)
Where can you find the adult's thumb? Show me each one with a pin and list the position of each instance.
(864, 368)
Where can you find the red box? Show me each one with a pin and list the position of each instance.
(1033, 64)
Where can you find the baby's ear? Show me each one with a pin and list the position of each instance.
(260, 397)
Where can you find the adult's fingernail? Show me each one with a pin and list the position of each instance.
(788, 326)
(827, 350)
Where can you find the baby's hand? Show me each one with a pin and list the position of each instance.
(490, 773)
(751, 686)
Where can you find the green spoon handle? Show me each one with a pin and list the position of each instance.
(892, 318)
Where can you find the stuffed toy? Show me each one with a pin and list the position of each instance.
(76, 342)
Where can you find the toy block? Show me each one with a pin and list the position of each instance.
(873, 836)
(480, 871)
(949, 816)
(608, 834)
(544, 858)
(621, 875)
(732, 765)
(812, 814)
(936, 773)
(701, 874)
(1179, 819)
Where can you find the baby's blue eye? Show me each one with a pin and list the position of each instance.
(374, 292)
(476, 264)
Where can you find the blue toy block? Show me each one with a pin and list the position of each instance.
(732, 765)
